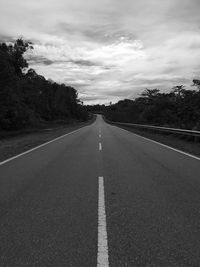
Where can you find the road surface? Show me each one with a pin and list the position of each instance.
(100, 196)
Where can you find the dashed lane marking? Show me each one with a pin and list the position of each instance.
(102, 256)
(100, 146)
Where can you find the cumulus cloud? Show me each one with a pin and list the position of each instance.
(108, 49)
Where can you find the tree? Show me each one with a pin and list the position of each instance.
(178, 108)
(17, 51)
(27, 97)
(196, 83)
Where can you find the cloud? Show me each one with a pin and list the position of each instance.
(83, 62)
(110, 49)
(39, 60)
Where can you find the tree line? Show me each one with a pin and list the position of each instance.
(27, 98)
(178, 108)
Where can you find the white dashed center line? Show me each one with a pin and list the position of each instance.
(99, 135)
(102, 256)
(100, 147)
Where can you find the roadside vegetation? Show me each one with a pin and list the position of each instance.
(27, 99)
(180, 108)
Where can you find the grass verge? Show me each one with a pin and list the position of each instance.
(16, 143)
(169, 139)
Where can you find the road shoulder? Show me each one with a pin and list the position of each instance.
(190, 147)
(12, 146)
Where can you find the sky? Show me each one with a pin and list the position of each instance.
(108, 49)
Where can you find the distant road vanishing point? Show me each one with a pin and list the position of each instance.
(100, 196)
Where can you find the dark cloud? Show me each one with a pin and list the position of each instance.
(170, 69)
(33, 59)
(83, 62)
(6, 38)
(92, 97)
(121, 94)
(93, 44)
(161, 80)
(37, 59)
(105, 33)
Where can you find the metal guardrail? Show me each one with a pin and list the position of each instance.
(160, 129)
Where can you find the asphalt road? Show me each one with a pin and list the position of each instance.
(100, 194)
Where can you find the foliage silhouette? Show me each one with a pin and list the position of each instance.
(27, 98)
(178, 108)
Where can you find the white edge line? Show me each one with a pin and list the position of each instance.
(169, 147)
(44, 144)
(102, 254)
